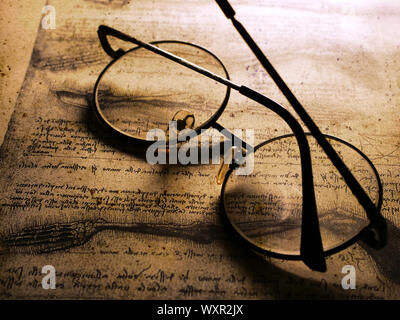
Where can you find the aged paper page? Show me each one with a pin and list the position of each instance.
(23, 19)
(115, 226)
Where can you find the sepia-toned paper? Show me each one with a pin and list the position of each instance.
(115, 226)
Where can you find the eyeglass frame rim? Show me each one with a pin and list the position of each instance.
(210, 123)
(297, 257)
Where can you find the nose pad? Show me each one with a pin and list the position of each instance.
(226, 162)
(184, 120)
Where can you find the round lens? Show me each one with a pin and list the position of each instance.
(265, 207)
(142, 90)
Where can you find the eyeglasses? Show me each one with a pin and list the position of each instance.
(301, 202)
